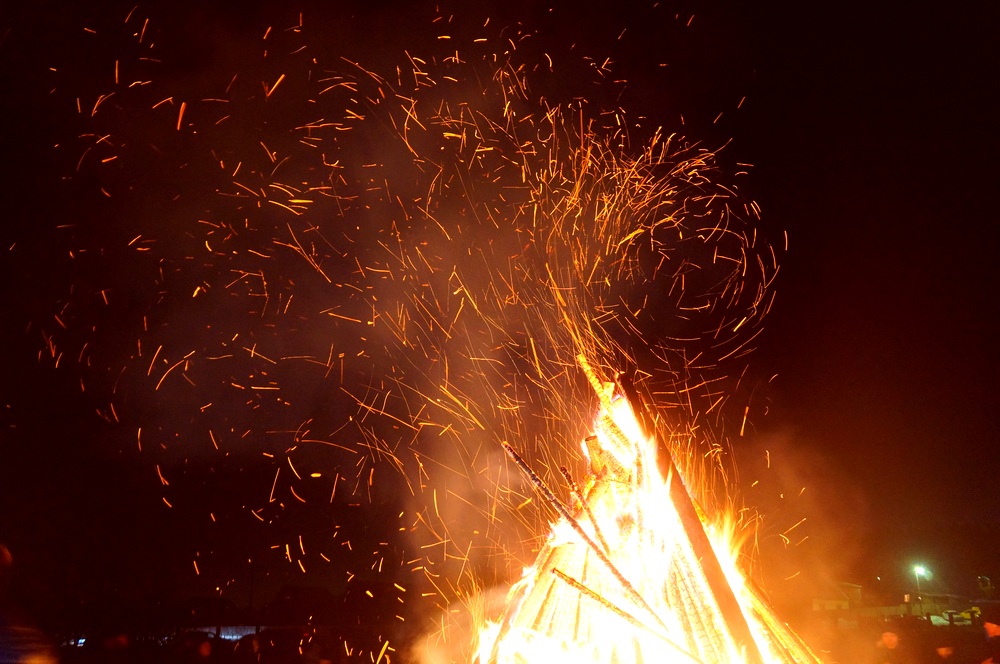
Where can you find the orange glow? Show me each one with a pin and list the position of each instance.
(621, 579)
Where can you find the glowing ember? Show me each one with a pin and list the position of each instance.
(348, 286)
(626, 576)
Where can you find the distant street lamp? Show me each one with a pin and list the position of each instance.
(919, 571)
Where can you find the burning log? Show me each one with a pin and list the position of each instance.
(631, 574)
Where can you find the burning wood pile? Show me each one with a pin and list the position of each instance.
(632, 572)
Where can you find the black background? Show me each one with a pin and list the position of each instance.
(872, 132)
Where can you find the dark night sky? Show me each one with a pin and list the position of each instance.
(884, 341)
(872, 133)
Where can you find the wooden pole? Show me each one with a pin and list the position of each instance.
(694, 528)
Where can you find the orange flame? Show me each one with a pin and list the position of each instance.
(623, 577)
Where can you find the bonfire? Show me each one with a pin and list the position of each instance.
(633, 572)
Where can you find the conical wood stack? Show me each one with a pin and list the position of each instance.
(630, 574)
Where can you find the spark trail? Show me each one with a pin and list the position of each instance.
(374, 276)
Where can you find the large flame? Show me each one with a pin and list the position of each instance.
(627, 576)
(356, 282)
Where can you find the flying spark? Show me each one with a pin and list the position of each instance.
(356, 283)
